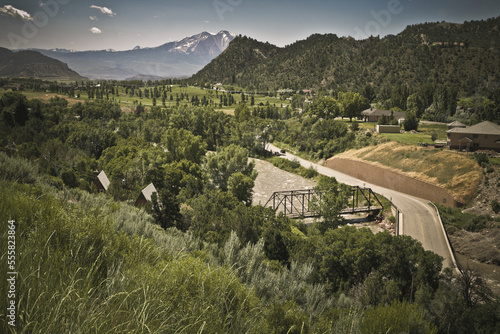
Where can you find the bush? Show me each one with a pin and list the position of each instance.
(482, 159)
(309, 173)
(495, 206)
(17, 169)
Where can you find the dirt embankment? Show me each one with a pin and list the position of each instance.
(459, 175)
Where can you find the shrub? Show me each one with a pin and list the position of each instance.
(495, 206)
(482, 159)
(17, 169)
(354, 126)
(309, 173)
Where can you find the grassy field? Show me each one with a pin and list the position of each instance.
(128, 102)
(460, 175)
(423, 135)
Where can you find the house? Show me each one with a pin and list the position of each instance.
(456, 124)
(482, 136)
(102, 182)
(373, 115)
(145, 195)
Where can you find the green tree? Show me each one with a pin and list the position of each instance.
(415, 104)
(241, 186)
(411, 122)
(182, 144)
(326, 107)
(352, 104)
(14, 108)
(332, 199)
(226, 162)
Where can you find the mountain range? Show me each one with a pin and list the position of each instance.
(181, 58)
(466, 56)
(32, 64)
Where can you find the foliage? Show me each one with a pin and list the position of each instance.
(332, 199)
(399, 317)
(331, 61)
(198, 257)
(226, 162)
(495, 206)
(411, 122)
(467, 221)
(293, 166)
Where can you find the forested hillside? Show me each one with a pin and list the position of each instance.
(198, 257)
(462, 56)
(32, 64)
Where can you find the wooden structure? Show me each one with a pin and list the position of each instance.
(102, 182)
(145, 195)
(297, 203)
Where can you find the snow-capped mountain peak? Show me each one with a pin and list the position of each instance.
(203, 43)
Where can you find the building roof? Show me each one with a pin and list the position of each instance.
(103, 178)
(148, 191)
(457, 124)
(378, 112)
(467, 139)
(484, 128)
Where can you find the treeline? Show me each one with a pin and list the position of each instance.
(199, 256)
(329, 61)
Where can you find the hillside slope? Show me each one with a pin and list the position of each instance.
(459, 175)
(32, 64)
(462, 55)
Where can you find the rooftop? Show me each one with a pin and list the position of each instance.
(148, 191)
(485, 128)
(103, 178)
(378, 112)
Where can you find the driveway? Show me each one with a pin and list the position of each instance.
(420, 219)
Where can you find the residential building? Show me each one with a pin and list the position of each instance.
(456, 124)
(373, 115)
(482, 136)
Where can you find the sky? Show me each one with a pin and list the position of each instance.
(125, 24)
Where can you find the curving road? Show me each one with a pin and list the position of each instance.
(420, 218)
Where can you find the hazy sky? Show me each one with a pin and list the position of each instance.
(124, 24)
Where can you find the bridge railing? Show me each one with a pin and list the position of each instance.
(297, 203)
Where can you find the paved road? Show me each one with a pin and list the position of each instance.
(420, 219)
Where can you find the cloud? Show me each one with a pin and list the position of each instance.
(9, 10)
(95, 30)
(93, 18)
(104, 10)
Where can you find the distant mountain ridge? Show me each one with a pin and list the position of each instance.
(181, 58)
(466, 56)
(32, 64)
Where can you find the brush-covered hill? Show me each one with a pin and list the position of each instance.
(32, 64)
(465, 56)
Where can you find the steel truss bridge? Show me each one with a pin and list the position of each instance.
(296, 203)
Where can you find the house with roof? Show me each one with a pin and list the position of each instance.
(456, 124)
(102, 182)
(373, 115)
(482, 136)
(145, 195)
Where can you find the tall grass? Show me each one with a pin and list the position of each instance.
(78, 273)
